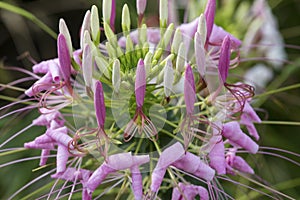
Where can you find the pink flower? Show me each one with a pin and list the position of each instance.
(118, 162)
(189, 192)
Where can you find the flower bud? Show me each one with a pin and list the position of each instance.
(106, 10)
(141, 6)
(126, 22)
(85, 26)
(163, 13)
(168, 78)
(116, 76)
(176, 41)
(63, 29)
(95, 24)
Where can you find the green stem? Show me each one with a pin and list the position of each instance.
(281, 123)
(290, 87)
(29, 16)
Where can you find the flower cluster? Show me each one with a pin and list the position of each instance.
(145, 102)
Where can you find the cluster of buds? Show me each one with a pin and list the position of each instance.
(176, 68)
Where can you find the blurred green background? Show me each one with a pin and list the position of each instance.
(19, 36)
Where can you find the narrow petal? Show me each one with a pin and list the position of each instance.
(217, 156)
(99, 104)
(192, 164)
(63, 29)
(224, 61)
(113, 14)
(60, 136)
(61, 158)
(137, 182)
(98, 177)
(189, 90)
(44, 156)
(210, 16)
(167, 157)
(64, 57)
(233, 132)
(140, 83)
(141, 6)
(240, 164)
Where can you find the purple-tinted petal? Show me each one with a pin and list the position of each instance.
(192, 164)
(167, 157)
(120, 161)
(240, 164)
(34, 145)
(189, 90)
(137, 182)
(60, 136)
(43, 139)
(140, 83)
(44, 156)
(224, 61)
(55, 72)
(99, 104)
(217, 155)
(61, 158)
(44, 83)
(249, 111)
(64, 57)
(113, 14)
(210, 16)
(72, 173)
(233, 132)
(141, 6)
(98, 176)
(218, 34)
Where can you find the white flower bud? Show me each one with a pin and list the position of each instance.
(116, 76)
(95, 24)
(106, 10)
(163, 13)
(168, 78)
(176, 41)
(202, 29)
(126, 22)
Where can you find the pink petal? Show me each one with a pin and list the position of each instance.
(113, 15)
(61, 158)
(217, 156)
(189, 90)
(141, 6)
(167, 157)
(192, 164)
(137, 182)
(240, 164)
(34, 145)
(60, 136)
(210, 16)
(99, 104)
(97, 177)
(224, 60)
(42, 84)
(218, 34)
(44, 156)
(233, 132)
(64, 57)
(140, 83)
(55, 72)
